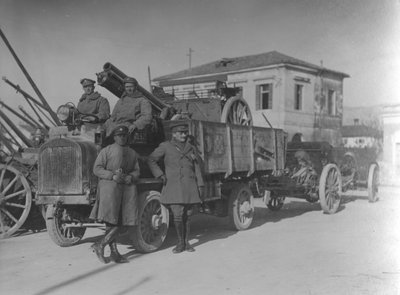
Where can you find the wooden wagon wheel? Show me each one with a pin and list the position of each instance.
(15, 200)
(153, 223)
(236, 111)
(330, 188)
(373, 183)
(276, 202)
(241, 207)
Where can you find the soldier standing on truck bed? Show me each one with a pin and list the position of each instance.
(183, 182)
(92, 103)
(118, 170)
(132, 109)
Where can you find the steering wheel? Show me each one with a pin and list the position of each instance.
(89, 118)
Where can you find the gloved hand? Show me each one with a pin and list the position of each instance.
(128, 179)
(164, 179)
(132, 128)
(118, 176)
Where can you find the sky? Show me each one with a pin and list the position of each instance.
(61, 41)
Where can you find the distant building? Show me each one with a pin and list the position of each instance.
(391, 144)
(360, 136)
(304, 99)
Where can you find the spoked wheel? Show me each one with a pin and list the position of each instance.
(241, 207)
(15, 200)
(373, 183)
(153, 223)
(59, 225)
(330, 188)
(276, 203)
(236, 111)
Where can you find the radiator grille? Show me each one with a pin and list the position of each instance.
(60, 170)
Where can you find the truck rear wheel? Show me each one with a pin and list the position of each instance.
(57, 221)
(241, 207)
(330, 188)
(153, 221)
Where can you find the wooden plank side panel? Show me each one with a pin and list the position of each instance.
(215, 144)
(264, 148)
(241, 148)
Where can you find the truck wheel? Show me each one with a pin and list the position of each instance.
(276, 203)
(241, 207)
(15, 200)
(373, 183)
(330, 188)
(57, 218)
(153, 221)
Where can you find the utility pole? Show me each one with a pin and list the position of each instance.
(190, 57)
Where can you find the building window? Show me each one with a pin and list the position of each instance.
(298, 97)
(264, 97)
(331, 102)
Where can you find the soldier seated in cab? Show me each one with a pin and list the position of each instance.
(93, 104)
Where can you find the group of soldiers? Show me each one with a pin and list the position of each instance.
(117, 168)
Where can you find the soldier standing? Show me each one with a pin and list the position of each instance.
(132, 109)
(183, 182)
(118, 170)
(92, 103)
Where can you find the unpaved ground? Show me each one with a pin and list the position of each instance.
(297, 250)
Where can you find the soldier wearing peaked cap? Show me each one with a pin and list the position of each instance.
(117, 168)
(92, 103)
(132, 109)
(183, 181)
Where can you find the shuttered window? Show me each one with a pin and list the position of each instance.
(264, 97)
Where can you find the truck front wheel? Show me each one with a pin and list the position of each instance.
(60, 226)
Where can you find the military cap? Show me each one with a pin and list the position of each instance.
(87, 82)
(130, 80)
(120, 130)
(179, 125)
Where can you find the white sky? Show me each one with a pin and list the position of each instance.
(61, 41)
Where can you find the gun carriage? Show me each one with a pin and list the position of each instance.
(316, 171)
(233, 158)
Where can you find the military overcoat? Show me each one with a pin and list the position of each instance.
(116, 200)
(130, 110)
(182, 170)
(94, 104)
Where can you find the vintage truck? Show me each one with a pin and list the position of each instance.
(233, 157)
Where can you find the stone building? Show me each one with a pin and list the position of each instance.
(391, 144)
(304, 99)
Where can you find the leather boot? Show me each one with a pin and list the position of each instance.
(180, 246)
(115, 255)
(188, 247)
(98, 247)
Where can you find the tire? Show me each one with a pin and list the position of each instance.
(15, 200)
(241, 207)
(56, 227)
(276, 203)
(330, 188)
(373, 183)
(151, 231)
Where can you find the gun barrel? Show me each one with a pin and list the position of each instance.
(112, 79)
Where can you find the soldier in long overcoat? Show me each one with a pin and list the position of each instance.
(92, 103)
(132, 109)
(183, 181)
(118, 170)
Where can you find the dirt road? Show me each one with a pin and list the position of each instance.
(298, 250)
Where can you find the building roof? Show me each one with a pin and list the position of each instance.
(236, 64)
(359, 131)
